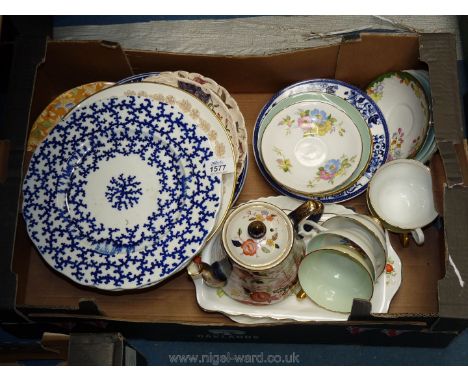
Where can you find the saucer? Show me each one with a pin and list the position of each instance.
(310, 147)
(403, 102)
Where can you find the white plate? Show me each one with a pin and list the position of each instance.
(211, 299)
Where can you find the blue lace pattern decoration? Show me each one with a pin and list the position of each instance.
(123, 192)
(70, 234)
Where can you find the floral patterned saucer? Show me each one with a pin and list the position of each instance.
(310, 146)
(324, 126)
(292, 309)
(403, 102)
(118, 196)
(58, 108)
(368, 112)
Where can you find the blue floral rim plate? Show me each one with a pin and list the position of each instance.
(117, 196)
(363, 104)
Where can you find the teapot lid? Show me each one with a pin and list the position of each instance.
(257, 235)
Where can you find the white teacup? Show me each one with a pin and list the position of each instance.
(400, 195)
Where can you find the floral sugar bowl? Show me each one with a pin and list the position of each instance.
(262, 252)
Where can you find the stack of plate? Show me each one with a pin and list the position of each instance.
(128, 187)
(216, 98)
(321, 139)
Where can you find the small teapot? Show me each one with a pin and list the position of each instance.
(262, 251)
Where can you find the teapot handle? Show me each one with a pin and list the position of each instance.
(311, 210)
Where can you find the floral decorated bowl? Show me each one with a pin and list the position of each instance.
(405, 106)
(314, 144)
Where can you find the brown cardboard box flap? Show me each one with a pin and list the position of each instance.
(361, 60)
(453, 288)
(245, 74)
(438, 51)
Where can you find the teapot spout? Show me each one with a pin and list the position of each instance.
(216, 274)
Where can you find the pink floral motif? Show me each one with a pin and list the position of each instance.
(395, 144)
(313, 122)
(332, 169)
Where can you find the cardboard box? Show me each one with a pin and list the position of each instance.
(78, 349)
(432, 298)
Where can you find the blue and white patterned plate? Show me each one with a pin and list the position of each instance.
(117, 196)
(363, 104)
(206, 123)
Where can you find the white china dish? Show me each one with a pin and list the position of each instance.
(311, 147)
(218, 99)
(366, 233)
